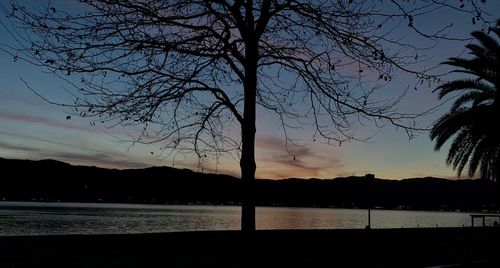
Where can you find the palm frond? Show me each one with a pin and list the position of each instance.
(477, 156)
(480, 68)
(476, 97)
(472, 119)
(487, 41)
(462, 84)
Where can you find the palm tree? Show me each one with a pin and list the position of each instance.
(473, 120)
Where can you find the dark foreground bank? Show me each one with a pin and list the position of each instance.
(459, 247)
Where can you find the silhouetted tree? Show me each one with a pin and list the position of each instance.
(186, 70)
(472, 121)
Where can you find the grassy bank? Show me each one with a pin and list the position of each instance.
(423, 247)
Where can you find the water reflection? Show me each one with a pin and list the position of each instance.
(21, 218)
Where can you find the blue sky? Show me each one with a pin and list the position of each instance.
(30, 128)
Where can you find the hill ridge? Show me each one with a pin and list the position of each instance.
(52, 180)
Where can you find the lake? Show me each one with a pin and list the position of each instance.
(32, 218)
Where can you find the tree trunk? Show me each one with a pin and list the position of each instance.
(247, 162)
(247, 165)
(248, 129)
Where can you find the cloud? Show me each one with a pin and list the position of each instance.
(25, 98)
(77, 155)
(46, 121)
(270, 143)
(43, 140)
(345, 174)
(281, 160)
(99, 159)
(16, 147)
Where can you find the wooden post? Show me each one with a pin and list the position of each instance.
(369, 218)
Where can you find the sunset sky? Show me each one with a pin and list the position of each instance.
(30, 128)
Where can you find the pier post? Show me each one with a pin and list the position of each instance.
(369, 218)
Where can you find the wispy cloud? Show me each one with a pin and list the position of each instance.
(46, 121)
(99, 159)
(29, 139)
(75, 154)
(16, 147)
(281, 160)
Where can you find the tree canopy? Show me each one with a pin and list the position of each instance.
(189, 70)
(472, 120)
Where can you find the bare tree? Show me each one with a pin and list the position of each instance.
(188, 71)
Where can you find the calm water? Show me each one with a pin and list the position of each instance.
(26, 218)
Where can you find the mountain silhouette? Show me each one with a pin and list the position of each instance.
(55, 181)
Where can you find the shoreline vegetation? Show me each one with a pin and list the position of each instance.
(55, 181)
(422, 247)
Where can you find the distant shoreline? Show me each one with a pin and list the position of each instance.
(423, 247)
(104, 204)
